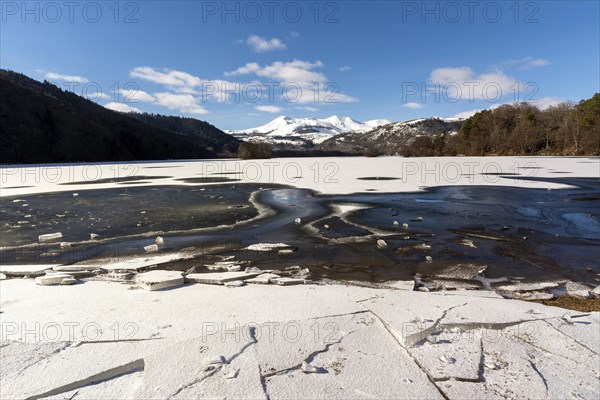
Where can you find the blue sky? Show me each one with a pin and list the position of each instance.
(241, 64)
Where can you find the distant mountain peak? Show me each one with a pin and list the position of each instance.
(284, 129)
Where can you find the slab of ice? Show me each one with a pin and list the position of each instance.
(49, 236)
(52, 279)
(267, 246)
(350, 364)
(135, 263)
(25, 270)
(219, 278)
(152, 248)
(287, 281)
(263, 279)
(234, 284)
(528, 287)
(159, 279)
(75, 268)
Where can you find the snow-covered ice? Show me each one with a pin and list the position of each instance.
(334, 175)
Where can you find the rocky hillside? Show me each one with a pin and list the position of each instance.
(390, 138)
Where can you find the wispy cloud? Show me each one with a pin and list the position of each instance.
(461, 83)
(528, 62)
(261, 45)
(186, 83)
(345, 68)
(269, 109)
(542, 103)
(66, 78)
(135, 96)
(121, 107)
(309, 108)
(413, 106)
(186, 103)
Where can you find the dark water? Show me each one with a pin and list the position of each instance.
(530, 233)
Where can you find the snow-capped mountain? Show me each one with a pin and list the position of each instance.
(304, 131)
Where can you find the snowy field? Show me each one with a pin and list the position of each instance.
(226, 329)
(340, 175)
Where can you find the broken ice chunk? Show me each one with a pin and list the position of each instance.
(214, 360)
(159, 240)
(381, 244)
(151, 248)
(287, 281)
(422, 247)
(298, 221)
(232, 373)
(50, 236)
(263, 279)
(234, 284)
(93, 236)
(159, 279)
(567, 318)
(53, 279)
(308, 369)
(267, 246)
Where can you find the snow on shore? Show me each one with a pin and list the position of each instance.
(338, 175)
(307, 341)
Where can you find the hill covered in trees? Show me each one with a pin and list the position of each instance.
(522, 129)
(41, 123)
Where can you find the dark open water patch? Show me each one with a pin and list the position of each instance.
(117, 212)
(208, 179)
(536, 234)
(378, 178)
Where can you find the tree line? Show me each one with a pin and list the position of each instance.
(566, 129)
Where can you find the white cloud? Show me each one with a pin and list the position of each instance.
(299, 80)
(545, 102)
(413, 106)
(295, 34)
(66, 78)
(185, 103)
(135, 96)
(345, 68)
(308, 108)
(269, 109)
(186, 83)
(261, 44)
(121, 107)
(455, 84)
(542, 103)
(528, 62)
(166, 77)
(466, 114)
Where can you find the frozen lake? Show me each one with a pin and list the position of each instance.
(478, 218)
